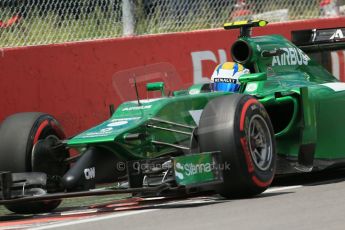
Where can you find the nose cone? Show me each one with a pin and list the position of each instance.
(82, 175)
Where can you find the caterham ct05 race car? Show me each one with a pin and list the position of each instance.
(285, 118)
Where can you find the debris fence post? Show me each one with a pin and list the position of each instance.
(128, 17)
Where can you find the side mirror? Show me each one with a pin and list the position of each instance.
(253, 77)
(155, 86)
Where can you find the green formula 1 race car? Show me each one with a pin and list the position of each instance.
(285, 118)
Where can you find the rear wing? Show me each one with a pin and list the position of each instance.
(319, 39)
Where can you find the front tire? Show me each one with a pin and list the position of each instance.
(239, 127)
(18, 135)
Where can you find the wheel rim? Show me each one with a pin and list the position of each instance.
(58, 168)
(260, 142)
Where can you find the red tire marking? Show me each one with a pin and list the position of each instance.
(40, 129)
(244, 110)
(243, 139)
(260, 183)
(44, 124)
(247, 155)
(249, 161)
(58, 130)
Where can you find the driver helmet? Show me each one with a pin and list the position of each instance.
(225, 77)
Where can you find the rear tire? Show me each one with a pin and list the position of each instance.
(239, 126)
(19, 133)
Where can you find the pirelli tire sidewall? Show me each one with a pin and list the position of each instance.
(248, 108)
(19, 133)
(224, 127)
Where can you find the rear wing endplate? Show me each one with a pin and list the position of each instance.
(319, 39)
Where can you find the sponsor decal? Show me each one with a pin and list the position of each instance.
(110, 128)
(101, 133)
(292, 56)
(117, 123)
(194, 169)
(90, 173)
(137, 108)
(121, 121)
(125, 119)
(92, 134)
(191, 169)
(338, 34)
(106, 130)
(225, 80)
(197, 168)
(178, 174)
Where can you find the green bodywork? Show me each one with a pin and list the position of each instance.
(305, 102)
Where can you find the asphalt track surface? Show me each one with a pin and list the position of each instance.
(311, 201)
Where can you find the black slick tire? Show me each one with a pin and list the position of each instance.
(239, 127)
